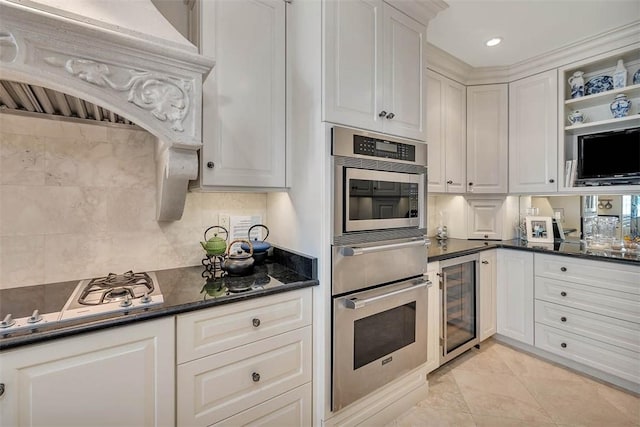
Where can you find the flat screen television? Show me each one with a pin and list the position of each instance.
(609, 157)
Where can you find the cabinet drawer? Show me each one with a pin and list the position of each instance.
(608, 275)
(289, 409)
(210, 331)
(617, 361)
(602, 328)
(216, 387)
(619, 305)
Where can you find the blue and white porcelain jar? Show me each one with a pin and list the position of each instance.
(576, 83)
(620, 106)
(576, 117)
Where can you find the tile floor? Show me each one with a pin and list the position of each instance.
(498, 386)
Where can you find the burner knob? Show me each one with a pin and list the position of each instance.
(35, 317)
(7, 321)
(126, 302)
(146, 299)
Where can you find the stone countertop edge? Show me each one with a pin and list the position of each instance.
(460, 247)
(303, 267)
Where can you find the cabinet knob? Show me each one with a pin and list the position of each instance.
(552, 180)
(210, 165)
(563, 293)
(256, 322)
(563, 268)
(255, 377)
(390, 116)
(382, 114)
(563, 319)
(486, 236)
(485, 262)
(1, 389)
(563, 345)
(449, 182)
(470, 184)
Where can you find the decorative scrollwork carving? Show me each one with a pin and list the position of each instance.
(166, 98)
(8, 47)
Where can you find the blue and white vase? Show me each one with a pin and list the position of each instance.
(620, 106)
(620, 76)
(576, 83)
(576, 117)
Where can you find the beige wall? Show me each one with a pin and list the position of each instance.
(78, 201)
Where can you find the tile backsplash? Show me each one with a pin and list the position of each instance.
(78, 200)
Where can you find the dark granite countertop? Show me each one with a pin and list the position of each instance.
(452, 248)
(183, 290)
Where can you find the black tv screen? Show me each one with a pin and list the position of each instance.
(609, 154)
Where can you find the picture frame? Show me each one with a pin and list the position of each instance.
(539, 229)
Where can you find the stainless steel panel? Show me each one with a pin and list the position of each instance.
(350, 384)
(387, 262)
(343, 145)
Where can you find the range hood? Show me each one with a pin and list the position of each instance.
(123, 56)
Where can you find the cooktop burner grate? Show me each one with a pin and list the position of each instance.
(116, 287)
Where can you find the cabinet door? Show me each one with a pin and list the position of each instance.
(108, 378)
(485, 219)
(353, 54)
(446, 124)
(244, 96)
(487, 143)
(488, 298)
(515, 295)
(404, 85)
(533, 134)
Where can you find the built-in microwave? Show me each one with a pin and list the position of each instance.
(379, 186)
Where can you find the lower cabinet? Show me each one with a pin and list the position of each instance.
(589, 312)
(515, 295)
(113, 377)
(488, 297)
(257, 366)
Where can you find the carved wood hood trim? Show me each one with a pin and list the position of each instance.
(156, 85)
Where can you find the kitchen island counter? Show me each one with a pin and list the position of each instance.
(183, 289)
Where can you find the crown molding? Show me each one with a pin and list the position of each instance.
(420, 10)
(458, 70)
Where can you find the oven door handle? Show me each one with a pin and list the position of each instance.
(355, 303)
(353, 251)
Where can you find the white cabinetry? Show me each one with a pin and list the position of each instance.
(242, 362)
(373, 68)
(487, 138)
(485, 219)
(112, 377)
(515, 295)
(434, 305)
(589, 312)
(596, 106)
(243, 124)
(488, 297)
(533, 137)
(446, 134)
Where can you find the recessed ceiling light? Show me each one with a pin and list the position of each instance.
(494, 41)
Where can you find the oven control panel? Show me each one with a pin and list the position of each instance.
(385, 149)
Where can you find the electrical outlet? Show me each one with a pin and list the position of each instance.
(223, 221)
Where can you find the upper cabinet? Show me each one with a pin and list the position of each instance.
(243, 124)
(487, 138)
(446, 134)
(373, 68)
(533, 136)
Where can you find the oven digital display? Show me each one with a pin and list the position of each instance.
(386, 146)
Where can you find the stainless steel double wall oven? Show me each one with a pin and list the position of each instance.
(379, 260)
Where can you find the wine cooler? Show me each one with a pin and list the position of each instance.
(459, 295)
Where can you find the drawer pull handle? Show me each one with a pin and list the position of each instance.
(485, 262)
(563, 268)
(255, 377)
(563, 293)
(563, 345)
(1, 389)
(256, 322)
(563, 319)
